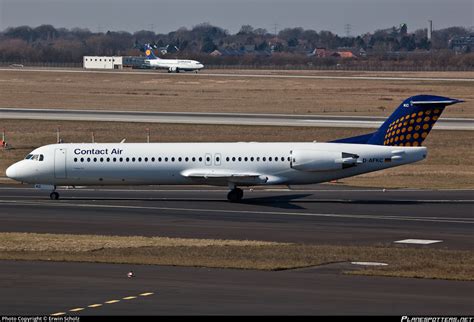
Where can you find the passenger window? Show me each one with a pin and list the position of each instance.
(180, 159)
(270, 159)
(172, 159)
(245, 159)
(127, 159)
(218, 159)
(153, 159)
(264, 159)
(133, 159)
(282, 159)
(194, 159)
(166, 159)
(95, 159)
(200, 159)
(240, 158)
(88, 159)
(82, 159)
(75, 159)
(121, 159)
(251, 159)
(186, 159)
(258, 158)
(101, 159)
(233, 159)
(227, 159)
(146, 159)
(159, 159)
(139, 159)
(114, 159)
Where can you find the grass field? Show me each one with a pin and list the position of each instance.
(402, 261)
(449, 164)
(159, 91)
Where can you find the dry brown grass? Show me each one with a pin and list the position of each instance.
(84, 243)
(158, 91)
(449, 164)
(402, 261)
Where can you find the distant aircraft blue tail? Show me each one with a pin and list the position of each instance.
(149, 52)
(409, 124)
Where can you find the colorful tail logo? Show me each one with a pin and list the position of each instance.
(149, 52)
(412, 121)
(409, 125)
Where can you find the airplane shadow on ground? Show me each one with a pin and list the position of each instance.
(291, 201)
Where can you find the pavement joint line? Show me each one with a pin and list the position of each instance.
(147, 294)
(112, 301)
(129, 298)
(248, 212)
(58, 313)
(94, 305)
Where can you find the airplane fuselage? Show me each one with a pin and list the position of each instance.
(236, 164)
(175, 64)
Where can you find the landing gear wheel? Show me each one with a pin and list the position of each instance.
(54, 195)
(235, 195)
(177, 70)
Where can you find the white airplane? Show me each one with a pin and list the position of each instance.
(397, 142)
(173, 65)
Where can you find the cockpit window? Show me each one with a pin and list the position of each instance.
(36, 157)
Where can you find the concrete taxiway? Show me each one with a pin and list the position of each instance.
(320, 214)
(218, 118)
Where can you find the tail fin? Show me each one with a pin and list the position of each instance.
(149, 52)
(409, 124)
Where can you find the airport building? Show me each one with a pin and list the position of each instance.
(102, 62)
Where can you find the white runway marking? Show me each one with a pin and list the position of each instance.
(418, 241)
(369, 264)
(244, 212)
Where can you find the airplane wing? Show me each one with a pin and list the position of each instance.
(224, 178)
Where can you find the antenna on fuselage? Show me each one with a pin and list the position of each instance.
(123, 140)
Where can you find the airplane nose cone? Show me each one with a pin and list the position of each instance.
(11, 172)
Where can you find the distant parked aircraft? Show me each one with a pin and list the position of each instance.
(173, 65)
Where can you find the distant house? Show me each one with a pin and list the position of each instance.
(215, 53)
(227, 52)
(462, 44)
(344, 54)
(322, 52)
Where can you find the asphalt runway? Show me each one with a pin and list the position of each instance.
(256, 74)
(325, 214)
(319, 214)
(218, 118)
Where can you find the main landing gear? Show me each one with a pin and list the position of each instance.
(54, 195)
(235, 195)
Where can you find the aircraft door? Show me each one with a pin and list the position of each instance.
(217, 159)
(60, 163)
(208, 158)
